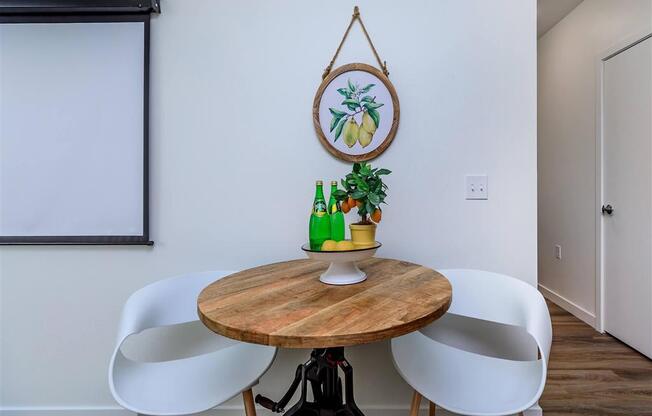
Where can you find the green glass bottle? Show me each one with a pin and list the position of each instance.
(336, 215)
(320, 225)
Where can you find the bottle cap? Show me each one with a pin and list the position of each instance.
(319, 183)
(333, 182)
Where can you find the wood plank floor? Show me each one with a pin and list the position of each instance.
(594, 374)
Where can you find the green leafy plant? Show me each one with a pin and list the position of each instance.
(365, 186)
(356, 101)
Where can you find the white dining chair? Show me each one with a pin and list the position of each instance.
(192, 383)
(480, 358)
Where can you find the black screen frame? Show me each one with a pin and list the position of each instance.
(93, 12)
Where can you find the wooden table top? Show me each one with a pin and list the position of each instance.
(285, 304)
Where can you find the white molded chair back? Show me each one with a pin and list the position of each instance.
(186, 385)
(480, 357)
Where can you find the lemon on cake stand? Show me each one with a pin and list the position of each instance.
(342, 257)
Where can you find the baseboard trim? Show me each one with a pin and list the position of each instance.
(220, 411)
(569, 306)
(535, 410)
(63, 411)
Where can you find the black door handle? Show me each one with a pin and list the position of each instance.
(607, 209)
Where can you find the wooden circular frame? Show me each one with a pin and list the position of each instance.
(395, 120)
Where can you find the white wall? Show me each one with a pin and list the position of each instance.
(234, 159)
(568, 91)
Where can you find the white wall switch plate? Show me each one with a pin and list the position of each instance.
(477, 187)
(558, 251)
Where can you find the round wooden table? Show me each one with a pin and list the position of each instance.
(285, 305)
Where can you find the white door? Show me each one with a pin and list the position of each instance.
(627, 190)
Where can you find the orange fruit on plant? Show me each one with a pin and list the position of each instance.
(377, 215)
(351, 202)
(345, 207)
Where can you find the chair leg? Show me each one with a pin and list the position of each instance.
(431, 409)
(416, 401)
(248, 398)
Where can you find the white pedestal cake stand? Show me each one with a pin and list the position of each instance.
(342, 269)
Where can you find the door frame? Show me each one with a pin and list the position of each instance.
(603, 57)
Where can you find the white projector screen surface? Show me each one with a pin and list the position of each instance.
(71, 129)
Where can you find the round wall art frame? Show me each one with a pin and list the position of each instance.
(356, 112)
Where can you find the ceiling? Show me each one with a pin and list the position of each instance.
(550, 12)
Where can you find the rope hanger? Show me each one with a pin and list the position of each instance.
(356, 16)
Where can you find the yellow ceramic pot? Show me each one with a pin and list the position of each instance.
(363, 235)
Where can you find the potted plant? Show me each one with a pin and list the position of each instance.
(364, 188)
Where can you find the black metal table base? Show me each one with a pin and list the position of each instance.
(322, 373)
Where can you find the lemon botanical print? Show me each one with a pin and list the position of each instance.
(356, 112)
(357, 101)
